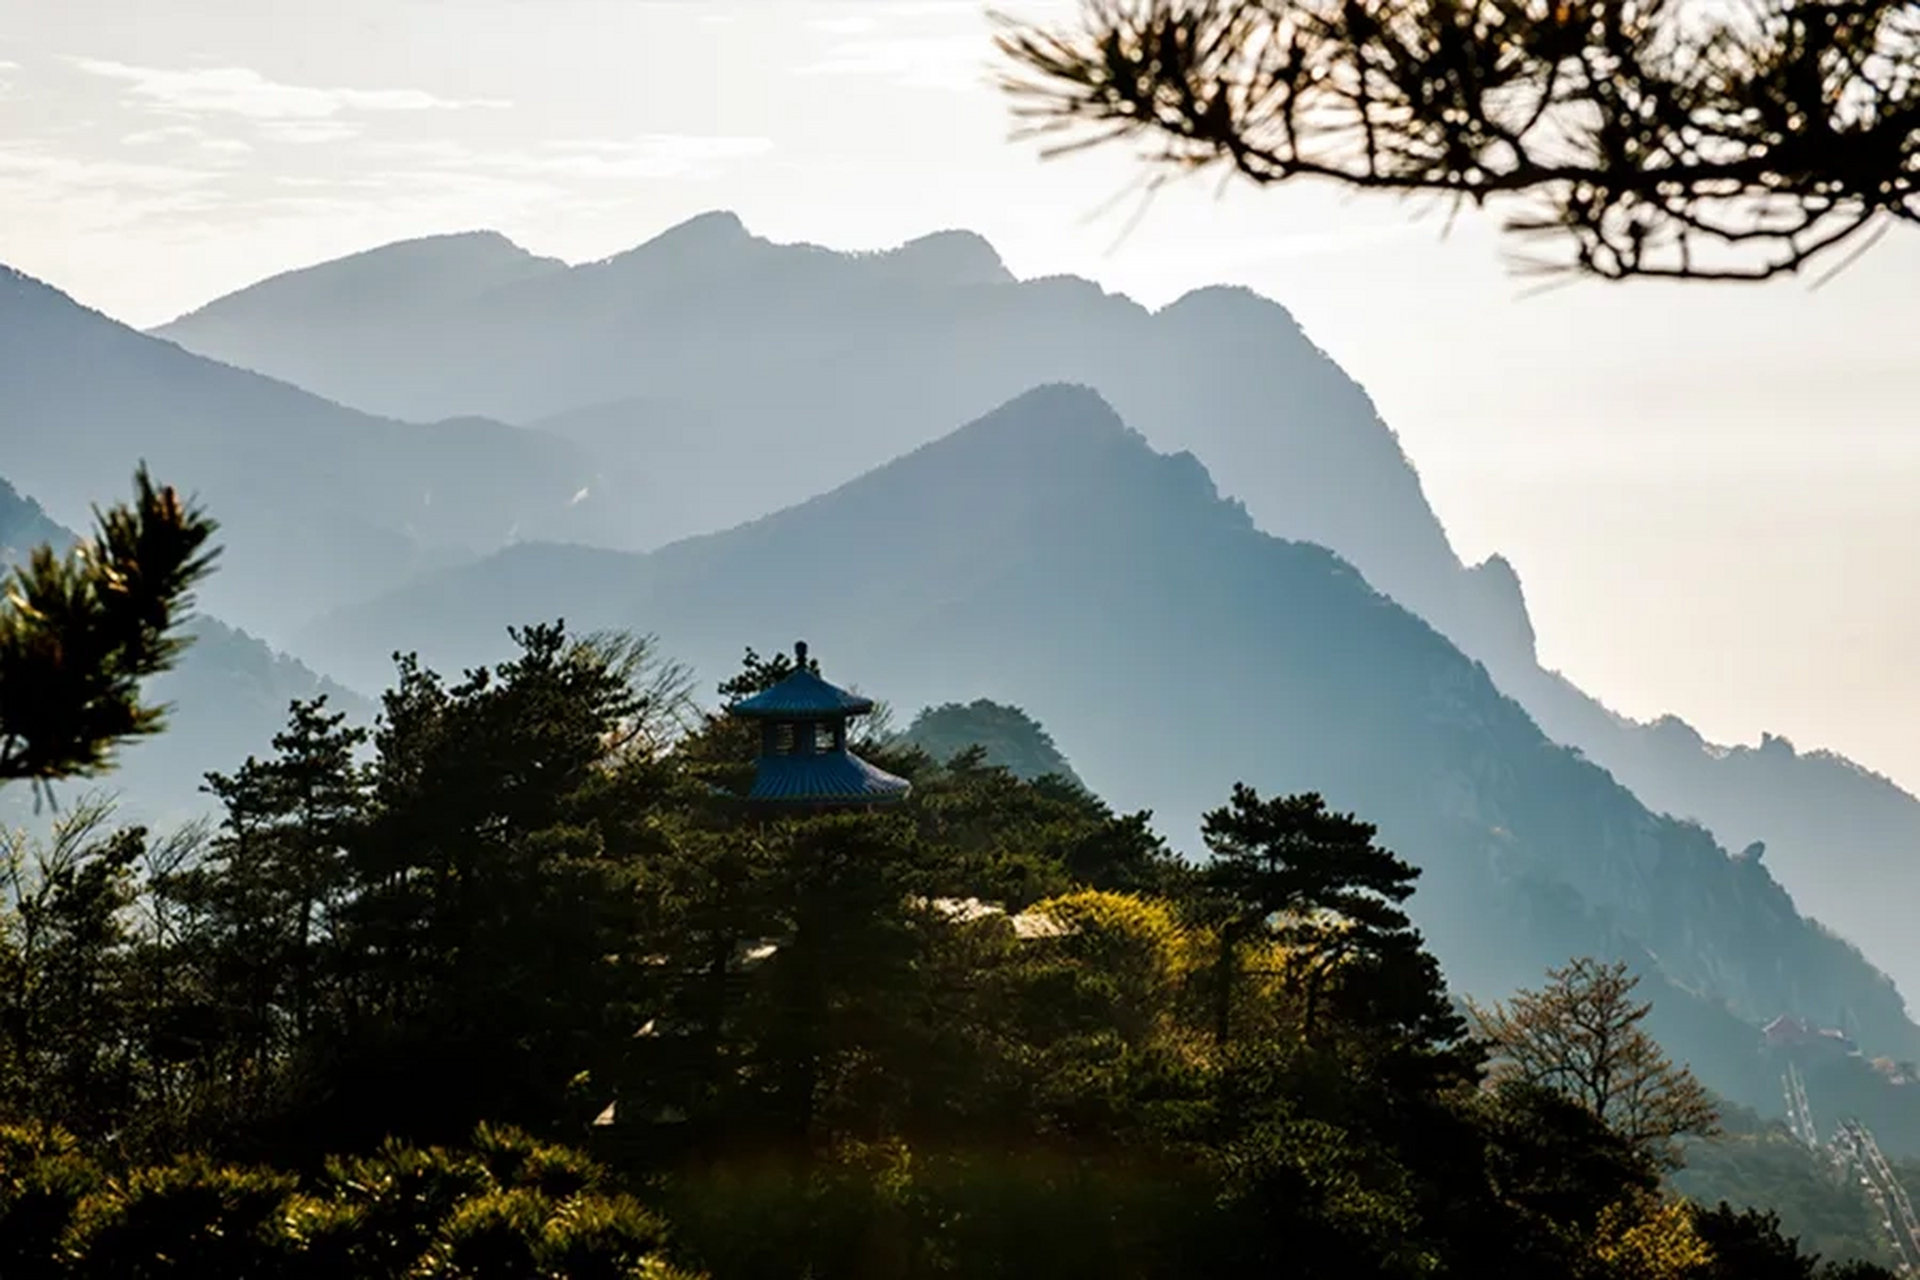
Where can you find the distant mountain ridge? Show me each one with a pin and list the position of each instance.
(1044, 556)
(228, 696)
(715, 376)
(805, 367)
(318, 503)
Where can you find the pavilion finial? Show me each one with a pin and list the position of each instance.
(800, 654)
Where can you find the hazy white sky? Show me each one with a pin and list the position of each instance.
(1710, 492)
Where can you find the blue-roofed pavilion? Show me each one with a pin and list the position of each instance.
(804, 758)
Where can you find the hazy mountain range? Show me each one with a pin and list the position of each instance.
(318, 503)
(1140, 562)
(1047, 556)
(712, 376)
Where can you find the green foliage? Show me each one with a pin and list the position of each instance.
(44, 1177)
(1314, 881)
(78, 635)
(187, 1219)
(509, 1207)
(758, 674)
(1757, 1164)
(66, 947)
(978, 1033)
(1136, 952)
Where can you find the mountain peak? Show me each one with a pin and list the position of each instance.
(1052, 440)
(714, 229)
(475, 249)
(1058, 411)
(952, 257)
(1502, 607)
(479, 239)
(401, 277)
(1229, 304)
(1045, 454)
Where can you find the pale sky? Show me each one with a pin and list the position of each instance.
(1710, 492)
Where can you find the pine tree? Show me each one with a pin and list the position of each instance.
(1314, 881)
(78, 635)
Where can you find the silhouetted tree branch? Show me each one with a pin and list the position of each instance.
(1731, 141)
(79, 633)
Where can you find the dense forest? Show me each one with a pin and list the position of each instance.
(512, 984)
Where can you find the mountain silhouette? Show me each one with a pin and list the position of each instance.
(317, 503)
(712, 349)
(1046, 557)
(689, 367)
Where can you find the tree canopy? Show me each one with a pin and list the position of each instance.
(512, 983)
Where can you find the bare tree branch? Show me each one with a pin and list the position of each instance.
(1581, 1036)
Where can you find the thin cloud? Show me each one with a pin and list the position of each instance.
(844, 25)
(188, 133)
(920, 62)
(241, 91)
(34, 163)
(647, 156)
(308, 131)
(102, 196)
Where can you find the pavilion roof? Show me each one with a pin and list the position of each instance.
(832, 777)
(802, 695)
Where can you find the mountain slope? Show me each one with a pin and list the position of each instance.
(317, 503)
(322, 310)
(1044, 556)
(1845, 840)
(228, 694)
(693, 367)
(25, 525)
